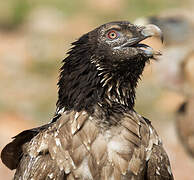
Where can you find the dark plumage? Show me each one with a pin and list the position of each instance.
(96, 134)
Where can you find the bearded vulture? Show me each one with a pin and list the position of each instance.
(96, 134)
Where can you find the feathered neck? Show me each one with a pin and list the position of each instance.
(88, 78)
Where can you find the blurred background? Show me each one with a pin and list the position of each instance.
(35, 36)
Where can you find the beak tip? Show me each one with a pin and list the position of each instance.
(152, 30)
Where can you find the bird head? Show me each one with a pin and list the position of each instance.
(121, 41)
(104, 65)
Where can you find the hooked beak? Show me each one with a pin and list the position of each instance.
(146, 32)
(152, 30)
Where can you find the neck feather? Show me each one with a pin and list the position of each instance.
(87, 80)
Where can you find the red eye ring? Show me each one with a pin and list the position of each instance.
(112, 34)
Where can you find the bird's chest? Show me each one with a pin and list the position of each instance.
(114, 153)
(84, 150)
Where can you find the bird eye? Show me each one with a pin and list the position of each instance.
(112, 34)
